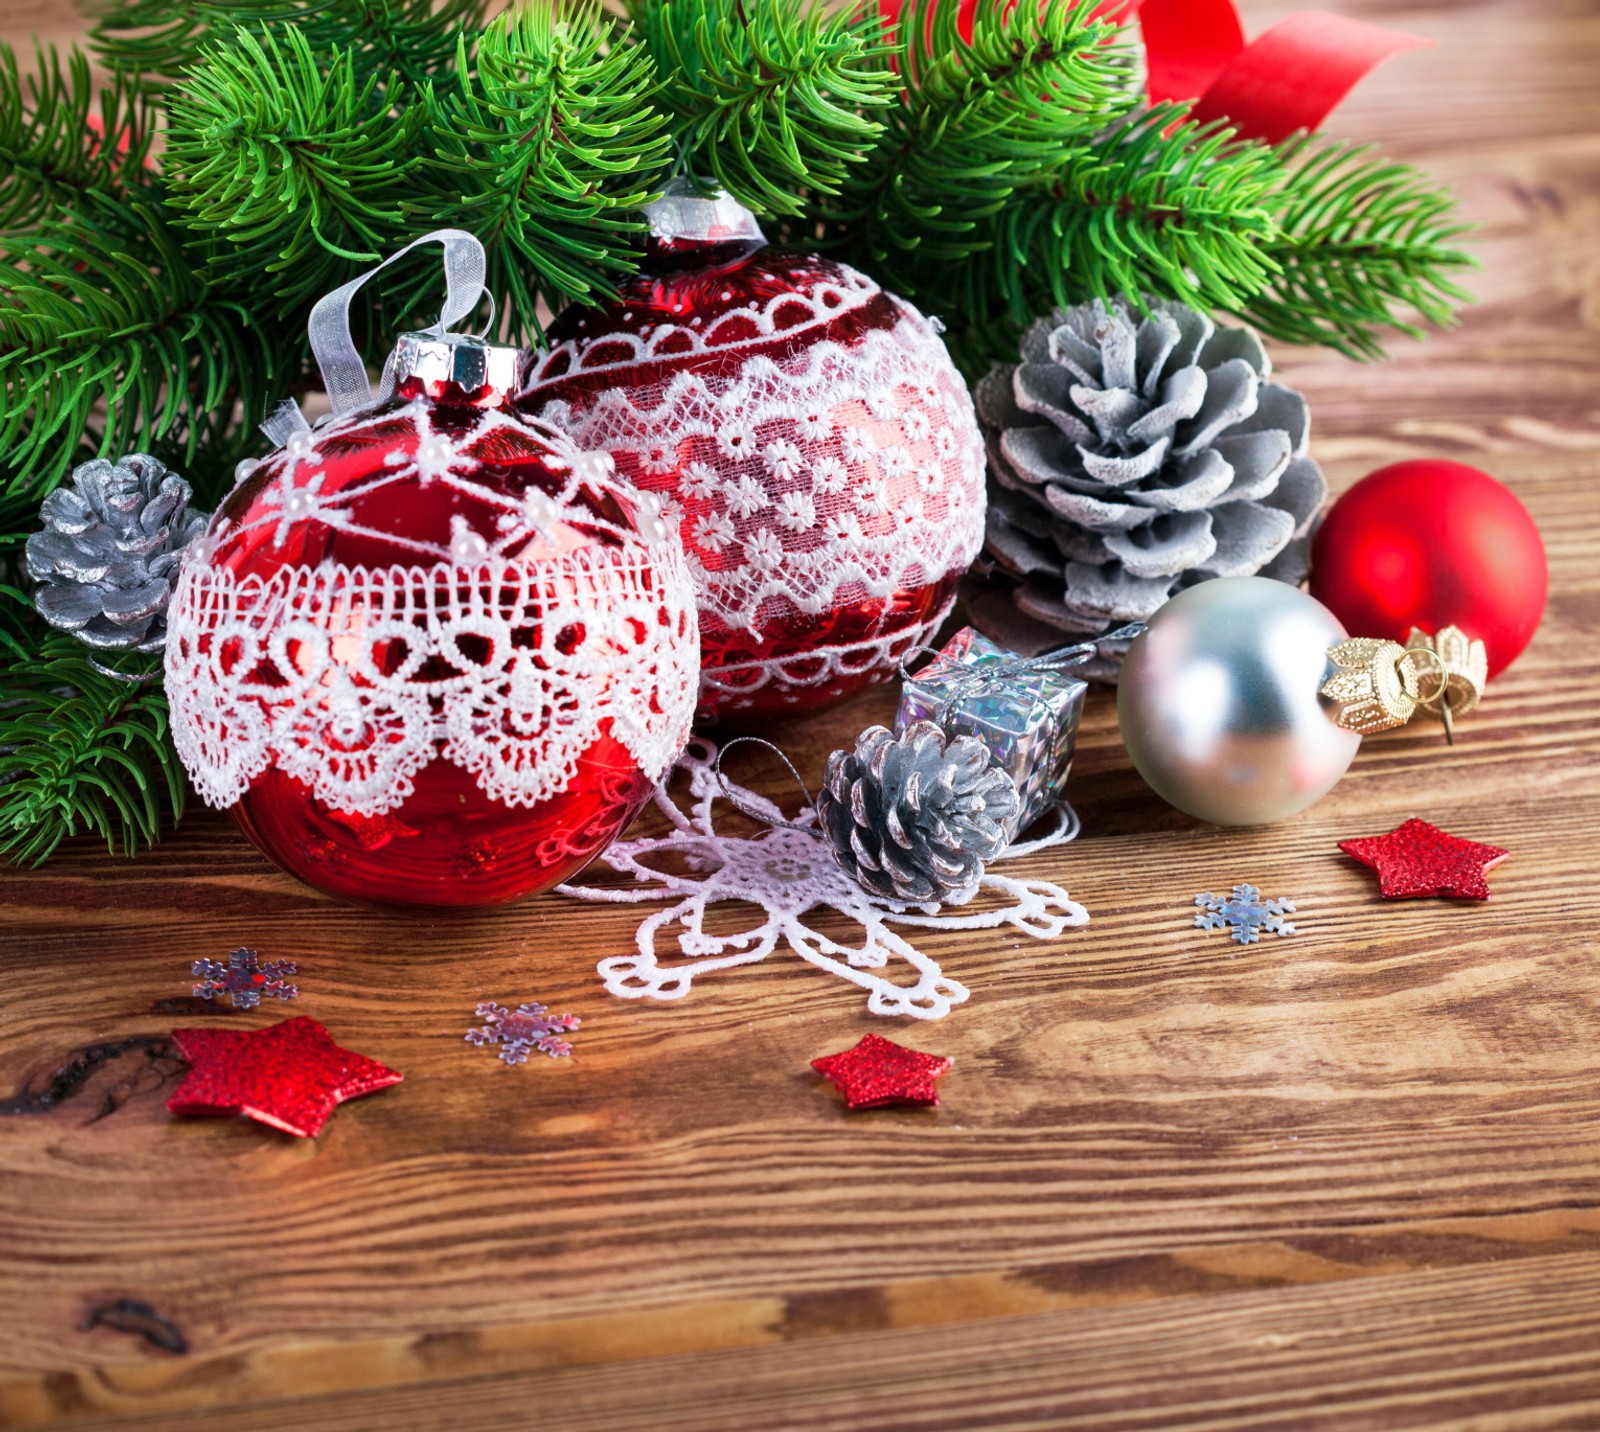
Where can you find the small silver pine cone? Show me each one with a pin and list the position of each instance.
(109, 552)
(1133, 456)
(914, 817)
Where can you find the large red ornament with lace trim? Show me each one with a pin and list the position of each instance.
(429, 653)
(809, 434)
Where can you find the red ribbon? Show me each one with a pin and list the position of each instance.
(1287, 79)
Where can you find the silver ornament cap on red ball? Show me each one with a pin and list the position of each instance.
(456, 366)
(1221, 706)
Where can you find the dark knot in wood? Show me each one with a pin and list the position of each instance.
(129, 1315)
(39, 1096)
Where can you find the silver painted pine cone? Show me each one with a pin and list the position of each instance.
(914, 817)
(109, 552)
(1132, 456)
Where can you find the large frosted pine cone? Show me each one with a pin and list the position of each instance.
(1130, 457)
(914, 817)
(109, 552)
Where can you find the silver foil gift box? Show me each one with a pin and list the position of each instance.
(1024, 709)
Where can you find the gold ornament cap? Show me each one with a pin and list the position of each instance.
(1378, 684)
(1375, 685)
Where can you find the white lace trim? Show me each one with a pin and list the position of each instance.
(788, 873)
(736, 684)
(287, 672)
(833, 475)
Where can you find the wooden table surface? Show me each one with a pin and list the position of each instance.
(1345, 1180)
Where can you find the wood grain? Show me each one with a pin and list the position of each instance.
(1344, 1180)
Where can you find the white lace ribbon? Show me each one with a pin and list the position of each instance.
(344, 372)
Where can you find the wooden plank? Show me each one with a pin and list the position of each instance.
(1484, 1349)
(1342, 1180)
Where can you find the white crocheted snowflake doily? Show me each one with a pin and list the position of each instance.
(789, 873)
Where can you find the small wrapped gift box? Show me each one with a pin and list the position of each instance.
(1025, 710)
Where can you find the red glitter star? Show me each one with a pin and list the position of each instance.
(291, 1075)
(1420, 859)
(879, 1071)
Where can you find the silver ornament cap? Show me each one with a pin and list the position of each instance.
(1220, 702)
(456, 367)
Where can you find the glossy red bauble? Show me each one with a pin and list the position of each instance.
(1432, 544)
(430, 654)
(809, 434)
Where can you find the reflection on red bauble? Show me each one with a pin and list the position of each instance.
(1433, 544)
(808, 432)
(430, 654)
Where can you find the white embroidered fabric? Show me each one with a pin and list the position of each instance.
(821, 476)
(735, 683)
(790, 874)
(353, 678)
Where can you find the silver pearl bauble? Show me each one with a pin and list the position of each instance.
(1220, 706)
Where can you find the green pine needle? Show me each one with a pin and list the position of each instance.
(1364, 244)
(1152, 207)
(163, 39)
(545, 150)
(109, 340)
(50, 155)
(771, 100)
(288, 166)
(979, 121)
(80, 752)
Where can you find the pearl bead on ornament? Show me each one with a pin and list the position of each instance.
(1220, 706)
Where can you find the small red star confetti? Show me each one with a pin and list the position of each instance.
(879, 1071)
(290, 1076)
(1420, 859)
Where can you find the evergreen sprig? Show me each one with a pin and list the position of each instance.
(80, 751)
(1152, 205)
(1363, 244)
(51, 151)
(545, 149)
(288, 166)
(978, 120)
(774, 100)
(110, 339)
(162, 39)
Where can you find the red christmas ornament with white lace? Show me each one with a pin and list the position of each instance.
(430, 652)
(810, 436)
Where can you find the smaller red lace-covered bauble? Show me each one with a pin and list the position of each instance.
(1433, 544)
(429, 653)
(808, 431)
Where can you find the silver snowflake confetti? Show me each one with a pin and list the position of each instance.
(1245, 913)
(521, 1031)
(244, 979)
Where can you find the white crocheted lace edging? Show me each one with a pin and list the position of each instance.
(537, 657)
(736, 684)
(822, 304)
(788, 872)
(842, 473)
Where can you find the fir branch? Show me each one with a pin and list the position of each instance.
(288, 166)
(772, 100)
(546, 150)
(1363, 244)
(163, 39)
(980, 120)
(79, 751)
(107, 331)
(50, 153)
(1152, 207)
